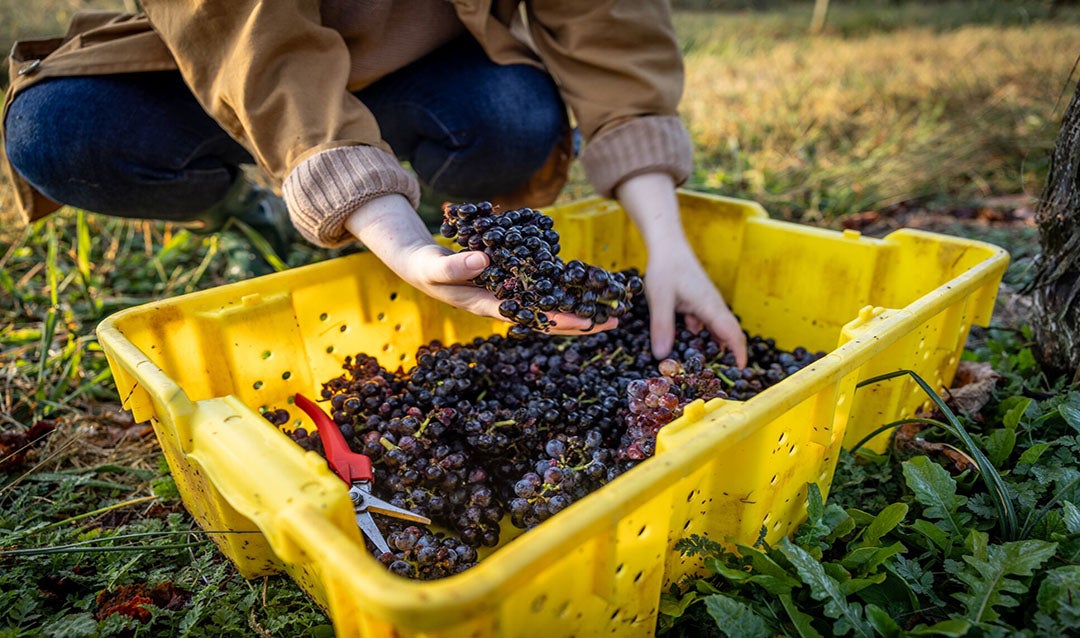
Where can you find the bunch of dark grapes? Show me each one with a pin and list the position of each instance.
(424, 555)
(526, 272)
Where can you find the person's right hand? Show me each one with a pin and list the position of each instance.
(391, 229)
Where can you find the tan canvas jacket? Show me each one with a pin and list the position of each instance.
(277, 76)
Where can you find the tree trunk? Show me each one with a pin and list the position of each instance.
(821, 12)
(1055, 287)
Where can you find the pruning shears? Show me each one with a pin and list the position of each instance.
(355, 469)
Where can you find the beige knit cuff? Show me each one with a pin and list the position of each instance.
(324, 189)
(657, 143)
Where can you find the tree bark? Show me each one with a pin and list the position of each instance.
(1055, 287)
(821, 12)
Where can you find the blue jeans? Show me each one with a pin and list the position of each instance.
(139, 145)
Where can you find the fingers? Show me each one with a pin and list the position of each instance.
(456, 268)
(725, 328)
(661, 321)
(571, 325)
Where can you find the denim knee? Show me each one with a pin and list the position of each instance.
(516, 125)
(119, 145)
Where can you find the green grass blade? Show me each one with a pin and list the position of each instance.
(995, 484)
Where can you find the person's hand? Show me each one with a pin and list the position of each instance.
(391, 229)
(675, 281)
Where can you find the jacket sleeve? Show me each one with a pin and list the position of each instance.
(277, 81)
(620, 71)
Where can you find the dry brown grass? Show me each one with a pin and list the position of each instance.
(865, 121)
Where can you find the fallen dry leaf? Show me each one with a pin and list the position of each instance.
(972, 387)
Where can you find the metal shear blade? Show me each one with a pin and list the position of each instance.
(355, 469)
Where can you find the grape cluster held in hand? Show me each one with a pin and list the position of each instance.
(528, 275)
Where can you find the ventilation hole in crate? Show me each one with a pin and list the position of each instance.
(776, 526)
(773, 481)
(637, 576)
(793, 449)
(690, 496)
(401, 357)
(329, 349)
(266, 354)
(783, 437)
(641, 532)
(397, 327)
(263, 409)
(686, 525)
(386, 347)
(324, 317)
(538, 603)
(257, 385)
(285, 375)
(343, 328)
(291, 400)
(381, 316)
(618, 569)
(615, 614)
(564, 608)
(393, 296)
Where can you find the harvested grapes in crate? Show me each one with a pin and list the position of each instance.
(521, 428)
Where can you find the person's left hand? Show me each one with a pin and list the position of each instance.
(677, 283)
(675, 280)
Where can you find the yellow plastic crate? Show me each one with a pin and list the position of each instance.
(200, 366)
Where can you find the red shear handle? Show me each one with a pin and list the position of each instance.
(347, 464)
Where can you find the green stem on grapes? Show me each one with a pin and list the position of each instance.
(423, 426)
(720, 375)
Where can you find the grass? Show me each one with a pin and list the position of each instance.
(815, 127)
(941, 102)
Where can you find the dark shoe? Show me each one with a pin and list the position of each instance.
(257, 212)
(255, 231)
